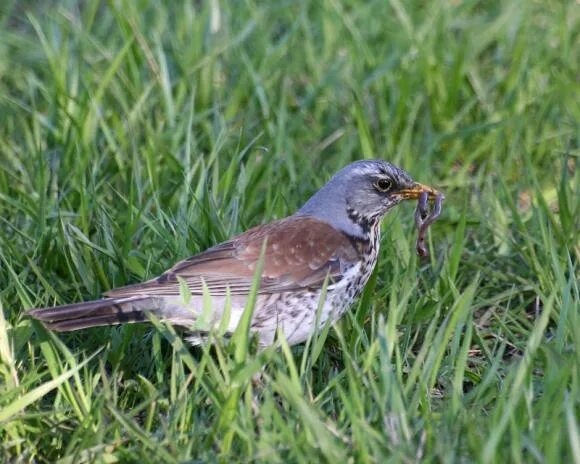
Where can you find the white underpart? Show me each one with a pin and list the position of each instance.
(295, 328)
(296, 314)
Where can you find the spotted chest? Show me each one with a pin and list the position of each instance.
(357, 277)
(296, 312)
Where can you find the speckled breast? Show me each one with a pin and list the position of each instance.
(369, 251)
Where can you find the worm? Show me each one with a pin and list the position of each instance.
(424, 218)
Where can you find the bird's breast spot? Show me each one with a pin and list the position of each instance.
(349, 275)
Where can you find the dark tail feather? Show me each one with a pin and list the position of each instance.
(108, 311)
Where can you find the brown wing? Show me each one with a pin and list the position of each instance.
(300, 252)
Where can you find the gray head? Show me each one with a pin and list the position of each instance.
(360, 194)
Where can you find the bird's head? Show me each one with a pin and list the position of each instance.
(360, 194)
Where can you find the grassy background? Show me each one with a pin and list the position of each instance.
(134, 134)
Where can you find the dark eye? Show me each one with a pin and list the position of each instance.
(383, 185)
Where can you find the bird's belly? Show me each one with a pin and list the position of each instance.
(299, 314)
(296, 314)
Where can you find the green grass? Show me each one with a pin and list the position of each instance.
(134, 134)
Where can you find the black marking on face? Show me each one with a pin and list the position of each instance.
(365, 223)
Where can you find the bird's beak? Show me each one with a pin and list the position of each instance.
(416, 190)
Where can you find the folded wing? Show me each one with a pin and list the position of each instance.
(300, 251)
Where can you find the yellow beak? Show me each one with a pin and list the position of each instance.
(416, 190)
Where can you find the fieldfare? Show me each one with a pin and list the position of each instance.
(329, 247)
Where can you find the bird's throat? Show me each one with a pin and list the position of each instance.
(364, 223)
(369, 232)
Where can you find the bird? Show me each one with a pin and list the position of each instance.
(313, 265)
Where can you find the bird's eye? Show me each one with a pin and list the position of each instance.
(383, 185)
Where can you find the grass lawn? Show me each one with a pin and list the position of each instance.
(137, 133)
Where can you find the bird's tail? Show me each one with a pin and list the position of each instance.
(108, 311)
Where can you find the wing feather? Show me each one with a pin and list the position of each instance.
(300, 252)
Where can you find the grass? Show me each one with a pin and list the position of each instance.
(134, 134)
